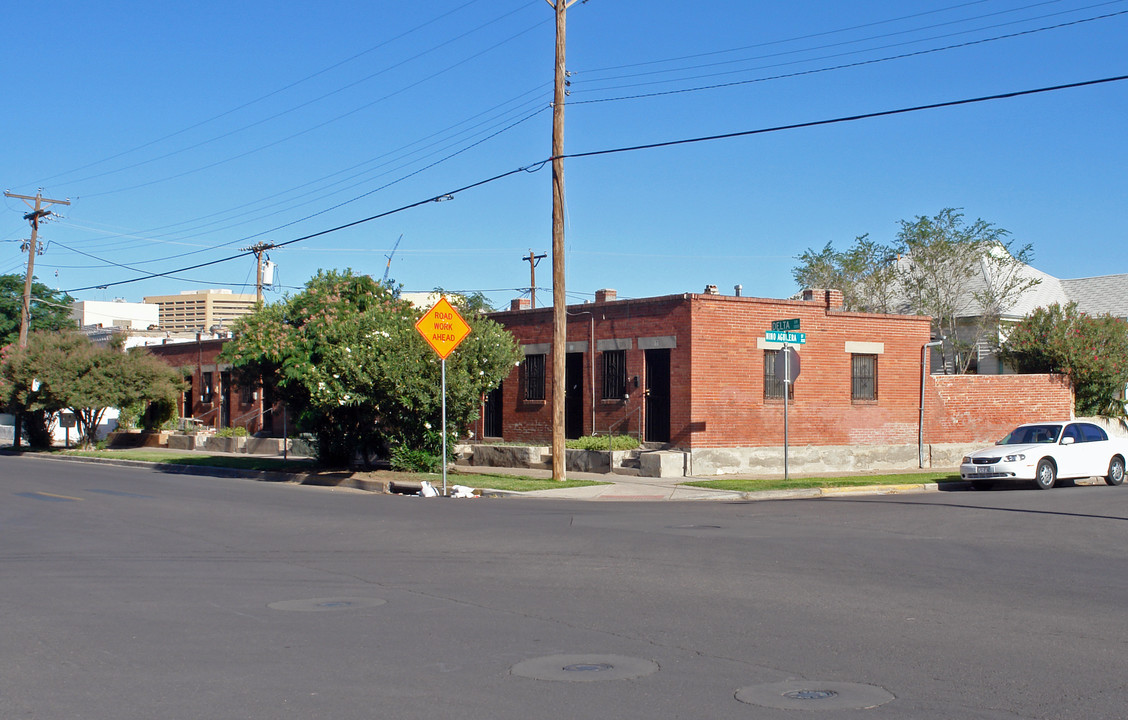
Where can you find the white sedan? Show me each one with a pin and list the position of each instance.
(1046, 452)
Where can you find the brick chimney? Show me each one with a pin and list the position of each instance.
(605, 295)
(520, 304)
(831, 299)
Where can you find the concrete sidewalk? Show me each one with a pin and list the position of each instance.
(613, 487)
(644, 489)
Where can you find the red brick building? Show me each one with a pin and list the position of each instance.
(213, 397)
(695, 371)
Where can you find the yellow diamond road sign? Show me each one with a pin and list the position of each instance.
(443, 328)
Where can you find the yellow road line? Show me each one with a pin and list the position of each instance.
(61, 497)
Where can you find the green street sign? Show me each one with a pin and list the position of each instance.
(791, 338)
(785, 325)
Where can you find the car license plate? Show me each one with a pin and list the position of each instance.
(984, 470)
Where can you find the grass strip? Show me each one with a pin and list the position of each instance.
(803, 483)
(514, 483)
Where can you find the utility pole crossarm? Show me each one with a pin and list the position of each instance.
(32, 217)
(533, 259)
(258, 249)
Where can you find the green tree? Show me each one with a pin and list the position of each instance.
(59, 371)
(50, 310)
(865, 273)
(962, 275)
(1091, 350)
(346, 354)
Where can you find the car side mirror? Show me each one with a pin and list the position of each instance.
(1067, 441)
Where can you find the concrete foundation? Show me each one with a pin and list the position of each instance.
(707, 462)
(663, 463)
(531, 456)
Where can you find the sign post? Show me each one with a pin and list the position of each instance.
(786, 367)
(443, 329)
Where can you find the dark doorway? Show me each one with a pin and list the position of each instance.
(268, 411)
(658, 396)
(491, 415)
(574, 396)
(225, 399)
(189, 400)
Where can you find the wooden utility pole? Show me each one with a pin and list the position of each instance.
(33, 217)
(559, 303)
(258, 249)
(533, 261)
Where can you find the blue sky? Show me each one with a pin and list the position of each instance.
(184, 132)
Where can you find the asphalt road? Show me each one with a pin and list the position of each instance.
(135, 595)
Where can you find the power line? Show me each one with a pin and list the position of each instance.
(438, 198)
(852, 118)
(814, 71)
(633, 148)
(581, 73)
(785, 40)
(266, 96)
(324, 123)
(340, 204)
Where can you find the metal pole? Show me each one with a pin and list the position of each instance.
(920, 419)
(444, 431)
(786, 392)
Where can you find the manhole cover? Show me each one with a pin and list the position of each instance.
(326, 604)
(584, 668)
(814, 695)
(811, 694)
(588, 667)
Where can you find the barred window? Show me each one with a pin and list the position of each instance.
(863, 377)
(773, 386)
(614, 374)
(206, 389)
(534, 377)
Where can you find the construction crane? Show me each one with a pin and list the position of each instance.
(389, 267)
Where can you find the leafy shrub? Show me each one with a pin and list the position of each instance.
(231, 432)
(599, 442)
(159, 415)
(130, 415)
(404, 459)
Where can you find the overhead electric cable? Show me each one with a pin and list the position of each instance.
(769, 43)
(338, 205)
(849, 118)
(633, 148)
(242, 208)
(784, 40)
(580, 80)
(324, 123)
(843, 66)
(264, 97)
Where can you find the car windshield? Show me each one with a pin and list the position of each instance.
(1028, 434)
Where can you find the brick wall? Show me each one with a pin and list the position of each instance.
(984, 408)
(197, 358)
(531, 421)
(728, 404)
(717, 370)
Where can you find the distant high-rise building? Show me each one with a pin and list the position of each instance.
(201, 310)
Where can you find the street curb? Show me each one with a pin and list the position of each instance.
(394, 488)
(222, 472)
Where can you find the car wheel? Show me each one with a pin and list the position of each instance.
(1115, 471)
(1046, 476)
(983, 484)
